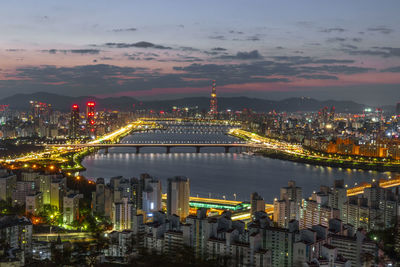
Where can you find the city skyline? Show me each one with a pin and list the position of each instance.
(153, 50)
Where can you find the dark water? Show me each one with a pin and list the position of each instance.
(216, 172)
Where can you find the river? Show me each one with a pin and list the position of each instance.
(213, 172)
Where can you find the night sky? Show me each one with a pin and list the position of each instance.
(162, 49)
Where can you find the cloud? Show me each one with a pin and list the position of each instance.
(15, 50)
(349, 46)
(217, 37)
(189, 48)
(142, 44)
(336, 29)
(392, 69)
(381, 29)
(219, 49)
(125, 30)
(357, 40)
(336, 39)
(243, 55)
(106, 79)
(73, 51)
(253, 38)
(300, 60)
(236, 32)
(319, 77)
(335, 69)
(385, 52)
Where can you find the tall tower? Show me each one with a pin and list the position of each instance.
(74, 122)
(213, 100)
(90, 121)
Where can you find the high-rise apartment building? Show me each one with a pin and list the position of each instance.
(178, 197)
(151, 195)
(288, 207)
(257, 203)
(8, 182)
(74, 125)
(34, 203)
(123, 214)
(102, 199)
(71, 208)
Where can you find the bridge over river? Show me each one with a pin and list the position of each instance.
(167, 144)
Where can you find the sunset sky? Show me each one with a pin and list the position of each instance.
(166, 49)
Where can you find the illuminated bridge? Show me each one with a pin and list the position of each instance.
(167, 144)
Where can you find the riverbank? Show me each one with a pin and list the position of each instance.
(75, 158)
(307, 157)
(334, 163)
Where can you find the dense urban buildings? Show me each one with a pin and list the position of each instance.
(329, 228)
(117, 150)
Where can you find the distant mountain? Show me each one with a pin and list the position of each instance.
(63, 103)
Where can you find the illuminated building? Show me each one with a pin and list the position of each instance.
(71, 208)
(102, 199)
(151, 196)
(4, 114)
(288, 207)
(74, 122)
(178, 197)
(197, 202)
(123, 214)
(257, 203)
(52, 186)
(90, 118)
(23, 188)
(16, 232)
(44, 187)
(201, 229)
(40, 110)
(397, 235)
(314, 213)
(358, 248)
(34, 203)
(375, 209)
(57, 189)
(278, 241)
(8, 182)
(213, 100)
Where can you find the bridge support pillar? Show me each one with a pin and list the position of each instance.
(227, 149)
(137, 149)
(168, 149)
(197, 149)
(106, 150)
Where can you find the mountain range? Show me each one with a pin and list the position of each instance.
(64, 103)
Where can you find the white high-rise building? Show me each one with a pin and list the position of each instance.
(123, 214)
(151, 196)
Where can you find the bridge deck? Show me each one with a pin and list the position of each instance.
(160, 145)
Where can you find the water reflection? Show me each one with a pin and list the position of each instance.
(216, 172)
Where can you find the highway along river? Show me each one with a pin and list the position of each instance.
(212, 171)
